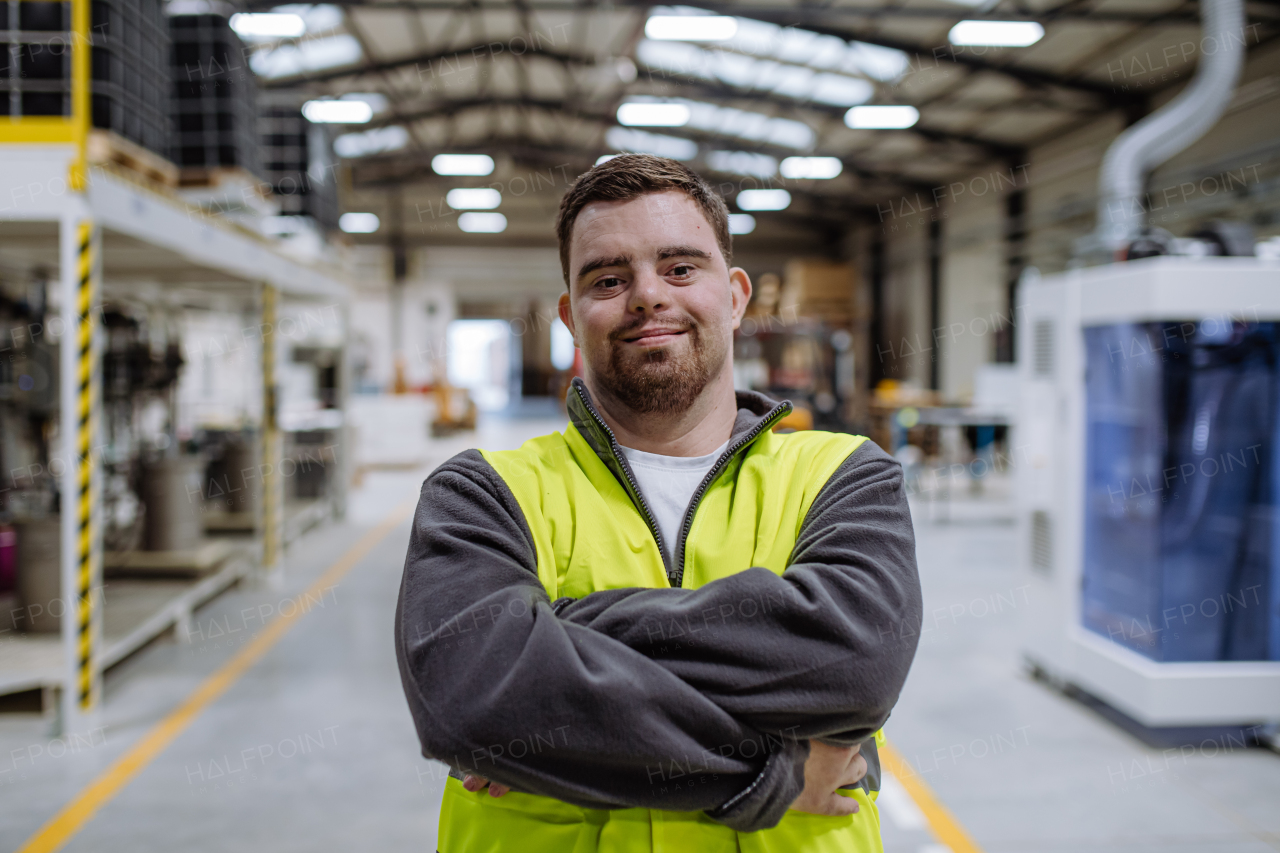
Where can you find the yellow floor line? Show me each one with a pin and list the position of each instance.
(75, 814)
(943, 823)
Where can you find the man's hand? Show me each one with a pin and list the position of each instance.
(474, 783)
(826, 769)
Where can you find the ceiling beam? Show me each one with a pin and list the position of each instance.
(705, 89)
(824, 210)
(1186, 14)
(453, 107)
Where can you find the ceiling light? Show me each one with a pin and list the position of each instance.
(643, 142)
(462, 164)
(741, 223)
(743, 163)
(605, 158)
(482, 223)
(881, 117)
(691, 27)
(268, 25)
(813, 168)
(374, 141)
(310, 55)
(647, 114)
(358, 223)
(996, 33)
(478, 198)
(764, 199)
(337, 112)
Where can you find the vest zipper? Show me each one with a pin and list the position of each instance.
(636, 495)
(769, 419)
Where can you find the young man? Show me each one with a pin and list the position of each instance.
(667, 628)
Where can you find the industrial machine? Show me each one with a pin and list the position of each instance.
(1148, 473)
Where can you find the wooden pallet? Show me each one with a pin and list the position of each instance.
(107, 147)
(213, 177)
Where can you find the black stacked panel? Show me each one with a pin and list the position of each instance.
(130, 70)
(214, 96)
(35, 68)
(130, 44)
(298, 159)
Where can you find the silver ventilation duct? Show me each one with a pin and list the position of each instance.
(1164, 133)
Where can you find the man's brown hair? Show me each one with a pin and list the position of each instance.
(629, 176)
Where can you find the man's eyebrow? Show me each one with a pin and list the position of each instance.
(599, 263)
(682, 252)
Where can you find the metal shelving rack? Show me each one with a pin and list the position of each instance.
(108, 223)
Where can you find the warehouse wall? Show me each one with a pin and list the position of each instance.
(1231, 173)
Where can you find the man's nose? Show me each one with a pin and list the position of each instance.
(649, 293)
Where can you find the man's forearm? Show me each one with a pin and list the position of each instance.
(499, 685)
(821, 651)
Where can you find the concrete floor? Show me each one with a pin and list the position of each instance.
(333, 761)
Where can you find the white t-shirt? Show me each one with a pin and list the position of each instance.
(668, 484)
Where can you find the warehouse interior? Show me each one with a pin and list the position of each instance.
(264, 267)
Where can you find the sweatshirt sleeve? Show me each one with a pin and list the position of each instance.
(498, 684)
(821, 651)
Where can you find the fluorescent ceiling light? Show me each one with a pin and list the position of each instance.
(643, 142)
(746, 72)
(812, 168)
(743, 163)
(649, 114)
(462, 164)
(268, 25)
(996, 33)
(764, 199)
(757, 127)
(881, 117)
(309, 55)
(337, 112)
(358, 223)
(741, 223)
(374, 141)
(482, 223)
(691, 27)
(319, 18)
(477, 198)
(823, 52)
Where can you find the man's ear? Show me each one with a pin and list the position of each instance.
(740, 292)
(566, 316)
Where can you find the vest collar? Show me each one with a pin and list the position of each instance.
(753, 409)
(756, 413)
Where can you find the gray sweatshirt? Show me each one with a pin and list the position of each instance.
(633, 697)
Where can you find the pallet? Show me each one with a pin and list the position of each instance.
(213, 177)
(107, 147)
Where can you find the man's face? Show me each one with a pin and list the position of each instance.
(651, 301)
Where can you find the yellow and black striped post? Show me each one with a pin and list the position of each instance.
(272, 485)
(88, 405)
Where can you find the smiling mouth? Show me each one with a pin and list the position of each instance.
(654, 337)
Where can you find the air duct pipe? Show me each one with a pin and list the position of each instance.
(1161, 135)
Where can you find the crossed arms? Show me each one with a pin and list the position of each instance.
(593, 703)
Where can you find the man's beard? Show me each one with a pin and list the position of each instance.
(662, 381)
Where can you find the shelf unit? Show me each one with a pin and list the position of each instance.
(111, 228)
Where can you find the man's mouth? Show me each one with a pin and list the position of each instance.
(656, 336)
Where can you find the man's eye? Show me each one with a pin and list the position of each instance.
(609, 282)
(683, 269)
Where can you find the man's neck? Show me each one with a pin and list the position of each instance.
(697, 431)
